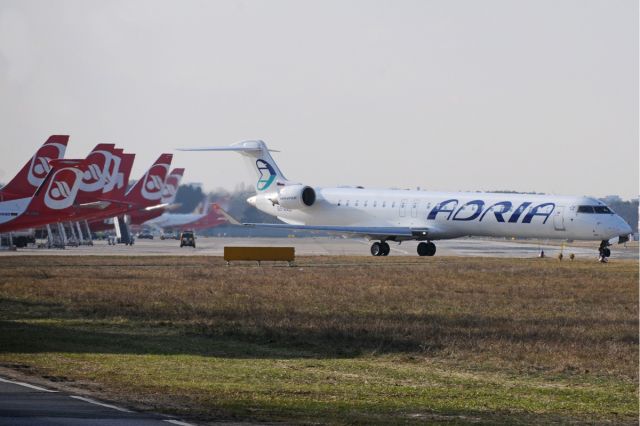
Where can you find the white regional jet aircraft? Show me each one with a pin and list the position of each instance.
(399, 215)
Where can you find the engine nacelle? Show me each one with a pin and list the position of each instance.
(296, 197)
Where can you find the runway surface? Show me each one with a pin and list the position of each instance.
(214, 246)
(23, 404)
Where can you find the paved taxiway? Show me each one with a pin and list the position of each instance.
(214, 246)
(23, 404)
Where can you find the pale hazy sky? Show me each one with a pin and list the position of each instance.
(445, 95)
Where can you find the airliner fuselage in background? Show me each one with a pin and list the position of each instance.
(399, 215)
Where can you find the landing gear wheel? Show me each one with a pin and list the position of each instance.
(385, 249)
(426, 249)
(604, 251)
(376, 249)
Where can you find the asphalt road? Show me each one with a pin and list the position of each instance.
(23, 404)
(214, 246)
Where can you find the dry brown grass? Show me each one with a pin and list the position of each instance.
(538, 313)
(540, 318)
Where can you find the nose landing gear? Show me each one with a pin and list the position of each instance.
(604, 251)
(380, 249)
(426, 249)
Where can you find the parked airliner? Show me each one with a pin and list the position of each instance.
(398, 215)
(209, 218)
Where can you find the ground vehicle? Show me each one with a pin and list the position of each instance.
(188, 238)
(169, 236)
(145, 235)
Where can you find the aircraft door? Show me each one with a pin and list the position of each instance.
(402, 212)
(414, 208)
(558, 219)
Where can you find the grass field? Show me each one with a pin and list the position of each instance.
(342, 340)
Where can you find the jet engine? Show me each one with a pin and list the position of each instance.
(296, 197)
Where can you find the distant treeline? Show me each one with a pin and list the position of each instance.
(190, 196)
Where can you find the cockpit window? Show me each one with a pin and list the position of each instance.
(602, 209)
(594, 209)
(585, 209)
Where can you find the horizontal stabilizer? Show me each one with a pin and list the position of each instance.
(156, 207)
(226, 148)
(245, 146)
(98, 205)
(173, 206)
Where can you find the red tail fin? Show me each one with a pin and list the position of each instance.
(59, 189)
(102, 162)
(213, 217)
(32, 174)
(148, 190)
(122, 178)
(171, 184)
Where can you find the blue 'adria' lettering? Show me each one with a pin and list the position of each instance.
(479, 205)
(506, 206)
(447, 206)
(474, 209)
(516, 214)
(536, 211)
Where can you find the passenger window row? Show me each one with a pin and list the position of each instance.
(374, 204)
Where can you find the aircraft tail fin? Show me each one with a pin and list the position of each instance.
(123, 175)
(171, 185)
(33, 173)
(258, 159)
(148, 190)
(102, 163)
(59, 188)
(232, 220)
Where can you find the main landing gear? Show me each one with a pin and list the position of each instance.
(604, 251)
(426, 249)
(380, 249)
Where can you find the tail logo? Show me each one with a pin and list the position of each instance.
(102, 173)
(267, 175)
(39, 166)
(63, 189)
(170, 187)
(113, 177)
(154, 181)
(93, 177)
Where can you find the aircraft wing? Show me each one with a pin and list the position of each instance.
(371, 232)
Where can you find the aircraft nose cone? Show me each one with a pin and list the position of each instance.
(619, 227)
(252, 200)
(624, 227)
